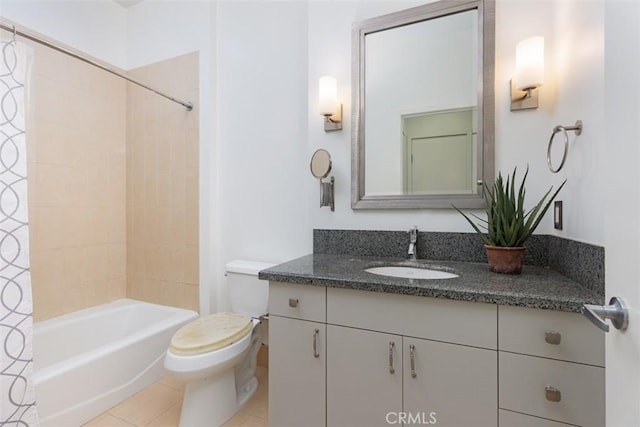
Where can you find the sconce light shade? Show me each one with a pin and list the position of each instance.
(327, 95)
(530, 63)
(328, 103)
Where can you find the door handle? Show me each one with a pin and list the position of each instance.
(616, 311)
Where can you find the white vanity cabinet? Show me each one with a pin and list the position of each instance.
(381, 359)
(297, 356)
(435, 361)
(373, 377)
(551, 369)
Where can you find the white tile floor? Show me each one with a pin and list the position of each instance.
(159, 405)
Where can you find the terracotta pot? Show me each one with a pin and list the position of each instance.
(505, 260)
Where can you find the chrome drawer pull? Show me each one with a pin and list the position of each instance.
(552, 394)
(552, 337)
(391, 347)
(293, 302)
(315, 343)
(412, 357)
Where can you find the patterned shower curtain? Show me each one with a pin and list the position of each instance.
(17, 400)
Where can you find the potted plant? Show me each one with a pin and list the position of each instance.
(508, 225)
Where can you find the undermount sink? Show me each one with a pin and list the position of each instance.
(410, 272)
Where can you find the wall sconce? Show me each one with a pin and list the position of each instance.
(329, 106)
(529, 73)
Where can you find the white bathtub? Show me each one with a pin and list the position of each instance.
(88, 361)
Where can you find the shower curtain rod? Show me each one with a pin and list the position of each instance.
(188, 105)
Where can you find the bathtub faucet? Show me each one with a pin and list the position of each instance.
(413, 238)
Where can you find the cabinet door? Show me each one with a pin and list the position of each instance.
(364, 379)
(296, 372)
(449, 385)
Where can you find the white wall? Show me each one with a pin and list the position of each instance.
(97, 28)
(262, 105)
(573, 32)
(159, 30)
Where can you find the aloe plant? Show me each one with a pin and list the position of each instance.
(507, 223)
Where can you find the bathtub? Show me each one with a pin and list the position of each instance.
(90, 360)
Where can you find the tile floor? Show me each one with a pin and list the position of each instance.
(159, 405)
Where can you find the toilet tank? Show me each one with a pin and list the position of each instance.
(249, 295)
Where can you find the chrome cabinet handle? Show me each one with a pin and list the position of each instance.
(412, 358)
(293, 302)
(391, 347)
(616, 311)
(552, 394)
(315, 343)
(552, 337)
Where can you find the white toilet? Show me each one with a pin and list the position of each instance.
(216, 355)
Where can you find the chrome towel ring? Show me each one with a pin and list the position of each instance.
(578, 130)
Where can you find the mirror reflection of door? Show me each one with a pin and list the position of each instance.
(439, 152)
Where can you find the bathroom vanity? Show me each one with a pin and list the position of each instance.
(351, 348)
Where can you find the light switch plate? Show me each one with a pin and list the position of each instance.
(557, 215)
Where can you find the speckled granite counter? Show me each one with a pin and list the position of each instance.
(536, 287)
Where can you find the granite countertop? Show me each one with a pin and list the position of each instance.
(536, 287)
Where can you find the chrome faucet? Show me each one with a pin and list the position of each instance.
(413, 239)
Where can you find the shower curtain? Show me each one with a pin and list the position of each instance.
(17, 400)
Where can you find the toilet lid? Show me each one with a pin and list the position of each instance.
(210, 333)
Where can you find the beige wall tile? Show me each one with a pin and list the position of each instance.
(76, 177)
(177, 142)
(192, 187)
(178, 225)
(160, 225)
(165, 160)
(163, 182)
(192, 225)
(178, 187)
(190, 297)
(54, 184)
(113, 185)
(192, 270)
(192, 149)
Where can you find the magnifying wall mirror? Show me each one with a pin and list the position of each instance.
(320, 166)
(423, 107)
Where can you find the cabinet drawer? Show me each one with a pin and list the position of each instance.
(457, 322)
(304, 302)
(523, 388)
(554, 334)
(513, 419)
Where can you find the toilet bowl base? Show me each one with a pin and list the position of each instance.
(247, 392)
(210, 401)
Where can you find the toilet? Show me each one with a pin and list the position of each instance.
(216, 355)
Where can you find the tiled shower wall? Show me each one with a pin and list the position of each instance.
(113, 185)
(162, 185)
(76, 133)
